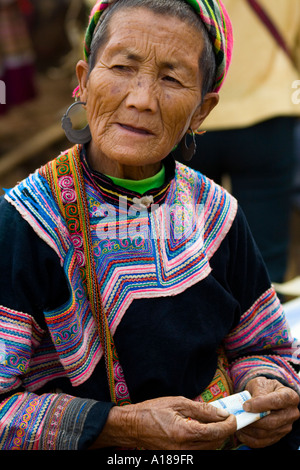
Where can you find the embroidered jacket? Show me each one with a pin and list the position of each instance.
(177, 280)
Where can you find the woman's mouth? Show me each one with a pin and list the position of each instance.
(136, 130)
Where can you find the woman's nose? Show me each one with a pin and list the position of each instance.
(143, 96)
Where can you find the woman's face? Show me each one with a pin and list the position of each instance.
(145, 89)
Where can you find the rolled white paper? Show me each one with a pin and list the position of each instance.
(234, 405)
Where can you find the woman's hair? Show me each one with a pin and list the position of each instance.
(176, 8)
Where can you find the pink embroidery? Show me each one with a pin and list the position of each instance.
(120, 384)
(77, 241)
(66, 182)
(68, 196)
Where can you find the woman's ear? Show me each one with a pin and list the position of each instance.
(208, 103)
(82, 70)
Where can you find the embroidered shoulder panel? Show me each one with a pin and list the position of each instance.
(160, 252)
(33, 199)
(138, 254)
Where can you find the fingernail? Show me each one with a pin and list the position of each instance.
(247, 407)
(222, 413)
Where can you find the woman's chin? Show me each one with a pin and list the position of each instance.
(133, 155)
(133, 159)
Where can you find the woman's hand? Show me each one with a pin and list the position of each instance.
(171, 423)
(269, 395)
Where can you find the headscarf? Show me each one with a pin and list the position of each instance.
(215, 18)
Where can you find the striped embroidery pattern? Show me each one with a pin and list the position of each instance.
(260, 327)
(46, 422)
(27, 355)
(53, 422)
(263, 327)
(273, 366)
(67, 172)
(64, 422)
(73, 348)
(73, 332)
(19, 334)
(163, 264)
(217, 22)
(40, 212)
(23, 415)
(126, 269)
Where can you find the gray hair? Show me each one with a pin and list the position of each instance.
(176, 8)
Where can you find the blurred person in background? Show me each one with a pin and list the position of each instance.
(296, 192)
(250, 137)
(17, 62)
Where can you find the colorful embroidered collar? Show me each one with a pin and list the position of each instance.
(112, 189)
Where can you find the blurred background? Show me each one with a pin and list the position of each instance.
(40, 43)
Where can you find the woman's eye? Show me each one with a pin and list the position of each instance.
(170, 79)
(120, 67)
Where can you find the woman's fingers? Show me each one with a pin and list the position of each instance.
(179, 423)
(262, 435)
(204, 412)
(281, 401)
(210, 435)
(278, 400)
(268, 395)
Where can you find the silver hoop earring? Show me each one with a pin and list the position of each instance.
(81, 136)
(188, 151)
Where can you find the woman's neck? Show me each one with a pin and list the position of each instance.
(115, 169)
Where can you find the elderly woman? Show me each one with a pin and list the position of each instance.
(132, 292)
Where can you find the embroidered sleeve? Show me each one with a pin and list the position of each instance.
(27, 420)
(261, 342)
(46, 422)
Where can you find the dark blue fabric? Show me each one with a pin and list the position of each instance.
(94, 424)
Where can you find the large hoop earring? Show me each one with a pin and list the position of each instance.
(188, 151)
(81, 136)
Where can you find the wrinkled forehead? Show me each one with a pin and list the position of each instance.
(145, 30)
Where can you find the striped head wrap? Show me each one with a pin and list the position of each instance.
(212, 13)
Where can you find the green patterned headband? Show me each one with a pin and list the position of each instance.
(212, 13)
